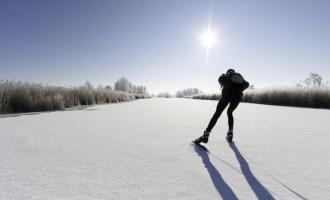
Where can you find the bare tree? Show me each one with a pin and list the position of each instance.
(313, 80)
(89, 85)
(123, 84)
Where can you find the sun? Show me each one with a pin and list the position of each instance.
(209, 39)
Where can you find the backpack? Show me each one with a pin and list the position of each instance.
(236, 78)
(233, 81)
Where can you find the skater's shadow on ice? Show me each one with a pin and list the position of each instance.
(222, 187)
(260, 191)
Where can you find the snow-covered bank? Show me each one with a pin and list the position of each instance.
(142, 150)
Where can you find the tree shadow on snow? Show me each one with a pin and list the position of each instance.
(259, 190)
(222, 187)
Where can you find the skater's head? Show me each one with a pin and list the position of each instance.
(229, 71)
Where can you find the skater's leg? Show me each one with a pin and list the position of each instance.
(223, 102)
(232, 106)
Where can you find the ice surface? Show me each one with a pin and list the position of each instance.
(143, 150)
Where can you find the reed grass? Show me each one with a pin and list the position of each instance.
(313, 97)
(16, 96)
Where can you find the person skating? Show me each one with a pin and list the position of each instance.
(233, 85)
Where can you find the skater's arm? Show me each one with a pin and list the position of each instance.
(245, 85)
(222, 79)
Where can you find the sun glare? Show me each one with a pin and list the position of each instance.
(209, 39)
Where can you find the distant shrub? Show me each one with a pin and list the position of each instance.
(207, 96)
(188, 92)
(16, 96)
(301, 97)
(164, 95)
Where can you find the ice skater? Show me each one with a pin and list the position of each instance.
(233, 85)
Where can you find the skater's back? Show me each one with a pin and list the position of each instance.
(232, 83)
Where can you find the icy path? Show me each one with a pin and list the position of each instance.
(142, 150)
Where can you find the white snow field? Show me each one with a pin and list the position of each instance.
(142, 150)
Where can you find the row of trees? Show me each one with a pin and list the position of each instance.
(125, 85)
(188, 92)
(313, 80)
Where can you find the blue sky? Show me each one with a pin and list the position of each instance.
(156, 43)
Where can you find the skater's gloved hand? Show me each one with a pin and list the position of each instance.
(222, 79)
